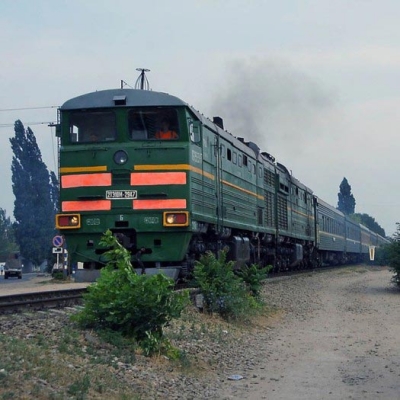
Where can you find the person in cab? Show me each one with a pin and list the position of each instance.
(165, 133)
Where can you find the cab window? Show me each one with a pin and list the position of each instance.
(92, 126)
(153, 124)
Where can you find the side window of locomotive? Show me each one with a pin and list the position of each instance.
(153, 123)
(222, 151)
(194, 131)
(89, 127)
(74, 133)
(234, 157)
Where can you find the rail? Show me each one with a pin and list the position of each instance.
(40, 300)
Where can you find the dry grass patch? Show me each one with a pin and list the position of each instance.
(45, 356)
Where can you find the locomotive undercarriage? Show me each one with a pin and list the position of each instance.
(245, 247)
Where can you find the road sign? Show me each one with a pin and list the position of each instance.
(57, 250)
(58, 241)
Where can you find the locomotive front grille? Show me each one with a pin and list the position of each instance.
(121, 177)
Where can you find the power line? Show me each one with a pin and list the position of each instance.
(10, 125)
(27, 108)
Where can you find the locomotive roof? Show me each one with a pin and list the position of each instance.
(133, 98)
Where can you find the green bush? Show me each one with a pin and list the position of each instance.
(392, 251)
(59, 276)
(253, 276)
(137, 306)
(381, 256)
(394, 262)
(223, 291)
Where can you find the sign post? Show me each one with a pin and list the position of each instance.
(58, 251)
(58, 242)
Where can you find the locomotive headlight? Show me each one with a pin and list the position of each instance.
(170, 218)
(173, 218)
(120, 157)
(68, 221)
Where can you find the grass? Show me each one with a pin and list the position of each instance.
(56, 360)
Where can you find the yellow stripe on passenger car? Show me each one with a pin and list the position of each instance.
(333, 235)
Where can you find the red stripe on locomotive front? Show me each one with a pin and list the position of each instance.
(158, 204)
(86, 205)
(84, 180)
(158, 178)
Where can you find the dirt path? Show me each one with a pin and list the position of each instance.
(348, 347)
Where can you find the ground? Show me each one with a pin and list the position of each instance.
(332, 335)
(345, 345)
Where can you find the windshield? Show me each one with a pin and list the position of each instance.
(92, 126)
(150, 123)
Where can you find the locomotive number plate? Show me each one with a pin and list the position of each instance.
(121, 194)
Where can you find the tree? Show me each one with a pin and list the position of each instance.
(393, 254)
(7, 241)
(54, 191)
(346, 203)
(369, 222)
(35, 191)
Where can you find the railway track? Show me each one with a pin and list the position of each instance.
(294, 273)
(40, 300)
(34, 301)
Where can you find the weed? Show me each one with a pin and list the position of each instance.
(80, 388)
(224, 292)
(8, 395)
(63, 347)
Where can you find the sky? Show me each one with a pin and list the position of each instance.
(315, 83)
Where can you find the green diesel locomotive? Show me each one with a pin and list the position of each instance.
(171, 184)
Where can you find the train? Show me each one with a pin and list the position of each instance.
(171, 199)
